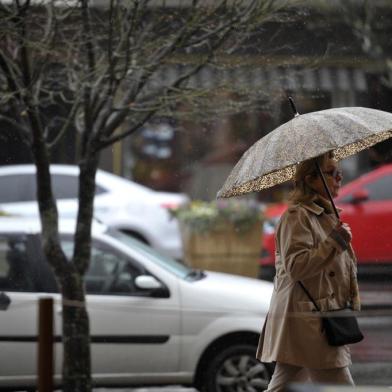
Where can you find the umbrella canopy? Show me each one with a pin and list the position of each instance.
(273, 159)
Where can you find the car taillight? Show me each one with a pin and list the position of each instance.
(170, 205)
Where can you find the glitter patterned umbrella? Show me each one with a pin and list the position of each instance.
(273, 159)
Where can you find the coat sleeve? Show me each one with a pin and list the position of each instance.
(301, 257)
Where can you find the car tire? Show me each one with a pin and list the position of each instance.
(235, 369)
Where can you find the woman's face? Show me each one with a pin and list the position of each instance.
(333, 176)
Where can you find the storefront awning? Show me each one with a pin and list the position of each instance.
(267, 79)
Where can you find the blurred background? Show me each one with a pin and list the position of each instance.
(325, 54)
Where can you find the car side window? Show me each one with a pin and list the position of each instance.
(381, 189)
(109, 272)
(66, 186)
(17, 188)
(15, 269)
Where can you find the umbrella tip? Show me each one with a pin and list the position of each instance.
(292, 104)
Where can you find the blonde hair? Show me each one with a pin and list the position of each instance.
(302, 192)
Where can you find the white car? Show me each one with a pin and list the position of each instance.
(119, 203)
(154, 321)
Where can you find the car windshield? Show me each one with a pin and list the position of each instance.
(164, 261)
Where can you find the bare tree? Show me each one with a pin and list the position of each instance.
(369, 23)
(103, 64)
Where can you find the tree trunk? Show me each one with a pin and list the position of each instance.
(76, 329)
(76, 338)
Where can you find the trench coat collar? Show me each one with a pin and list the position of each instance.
(318, 205)
(313, 207)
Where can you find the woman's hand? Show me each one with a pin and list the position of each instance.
(344, 230)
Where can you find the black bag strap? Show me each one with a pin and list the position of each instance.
(309, 296)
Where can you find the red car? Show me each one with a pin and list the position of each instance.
(366, 205)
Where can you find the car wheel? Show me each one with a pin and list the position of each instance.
(235, 369)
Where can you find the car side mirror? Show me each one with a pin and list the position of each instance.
(147, 282)
(152, 284)
(4, 301)
(360, 196)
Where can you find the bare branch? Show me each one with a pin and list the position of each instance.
(24, 131)
(135, 127)
(11, 78)
(91, 64)
(171, 90)
(66, 126)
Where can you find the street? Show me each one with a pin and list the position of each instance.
(364, 373)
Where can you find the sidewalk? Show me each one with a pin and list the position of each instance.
(169, 388)
(376, 375)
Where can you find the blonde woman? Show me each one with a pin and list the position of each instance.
(313, 247)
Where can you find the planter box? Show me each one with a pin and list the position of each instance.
(224, 249)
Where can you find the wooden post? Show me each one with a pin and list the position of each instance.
(45, 345)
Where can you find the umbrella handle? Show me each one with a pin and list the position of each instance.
(327, 189)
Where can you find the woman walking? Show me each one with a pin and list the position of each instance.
(312, 247)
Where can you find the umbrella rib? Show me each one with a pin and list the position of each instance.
(267, 149)
(255, 176)
(265, 154)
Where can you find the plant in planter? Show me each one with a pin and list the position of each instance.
(221, 235)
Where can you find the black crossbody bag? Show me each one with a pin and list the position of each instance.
(340, 329)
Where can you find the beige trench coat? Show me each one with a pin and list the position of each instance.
(306, 251)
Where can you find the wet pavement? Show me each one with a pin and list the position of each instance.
(364, 374)
(376, 324)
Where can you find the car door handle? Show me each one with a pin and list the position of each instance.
(4, 301)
